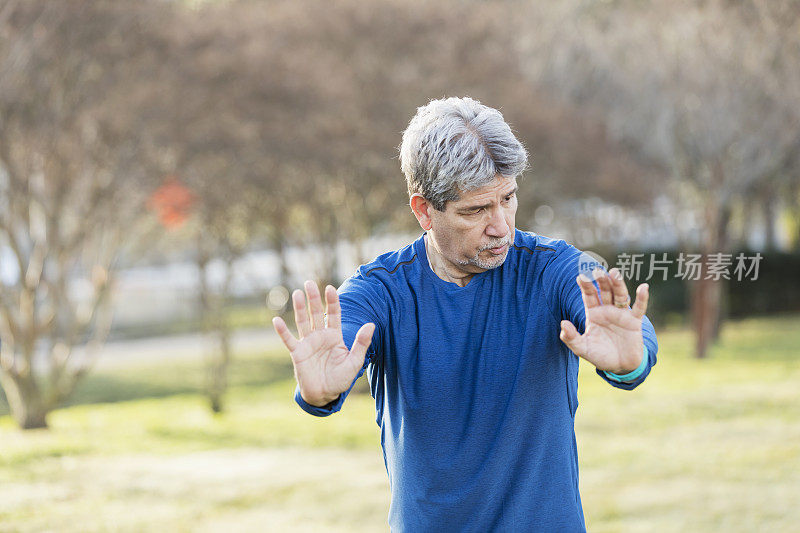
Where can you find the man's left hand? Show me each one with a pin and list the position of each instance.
(612, 340)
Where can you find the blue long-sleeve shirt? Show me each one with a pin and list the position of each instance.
(475, 394)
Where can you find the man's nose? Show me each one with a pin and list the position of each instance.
(498, 225)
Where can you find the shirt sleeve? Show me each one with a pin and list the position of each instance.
(567, 304)
(362, 301)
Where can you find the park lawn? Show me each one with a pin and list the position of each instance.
(710, 445)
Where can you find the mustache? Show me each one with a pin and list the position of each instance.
(496, 244)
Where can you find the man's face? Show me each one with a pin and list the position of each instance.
(475, 232)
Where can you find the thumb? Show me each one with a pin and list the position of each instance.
(362, 342)
(574, 340)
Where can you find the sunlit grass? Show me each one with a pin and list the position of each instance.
(710, 445)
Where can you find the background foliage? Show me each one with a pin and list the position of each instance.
(199, 136)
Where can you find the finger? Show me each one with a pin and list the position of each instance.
(618, 286)
(283, 332)
(315, 305)
(300, 313)
(332, 307)
(642, 297)
(575, 341)
(588, 291)
(606, 294)
(362, 342)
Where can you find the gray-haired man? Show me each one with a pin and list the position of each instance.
(470, 336)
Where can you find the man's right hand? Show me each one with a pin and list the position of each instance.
(323, 366)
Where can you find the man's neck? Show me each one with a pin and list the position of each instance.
(444, 268)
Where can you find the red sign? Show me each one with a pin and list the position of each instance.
(172, 202)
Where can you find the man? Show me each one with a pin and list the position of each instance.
(471, 336)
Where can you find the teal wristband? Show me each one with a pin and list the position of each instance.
(631, 376)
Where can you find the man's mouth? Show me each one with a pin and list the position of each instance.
(498, 250)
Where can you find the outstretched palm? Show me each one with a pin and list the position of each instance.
(612, 340)
(323, 366)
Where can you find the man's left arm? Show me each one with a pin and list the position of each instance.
(597, 322)
(630, 382)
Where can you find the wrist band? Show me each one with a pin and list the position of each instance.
(631, 376)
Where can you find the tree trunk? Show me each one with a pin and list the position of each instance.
(742, 238)
(285, 275)
(218, 370)
(360, 244)
(702, 314)
(215, 322)
(330, 268)
(24, 400)
(768, 207)
(706, 294)
(720, 244)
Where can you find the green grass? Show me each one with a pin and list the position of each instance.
(711, 445)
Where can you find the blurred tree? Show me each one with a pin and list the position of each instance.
(242, 129)
(705, 89)
(282, 123)
(285, 125)
(71, 184)
(358, 94)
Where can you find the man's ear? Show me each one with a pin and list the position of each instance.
(422, 210)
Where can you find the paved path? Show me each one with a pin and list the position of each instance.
(183, 347)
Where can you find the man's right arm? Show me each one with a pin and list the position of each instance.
(362, 301)
(333, 351)
(323, 365)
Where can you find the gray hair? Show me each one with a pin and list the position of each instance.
(457, 145)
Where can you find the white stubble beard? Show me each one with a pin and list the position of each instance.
(495, 261)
